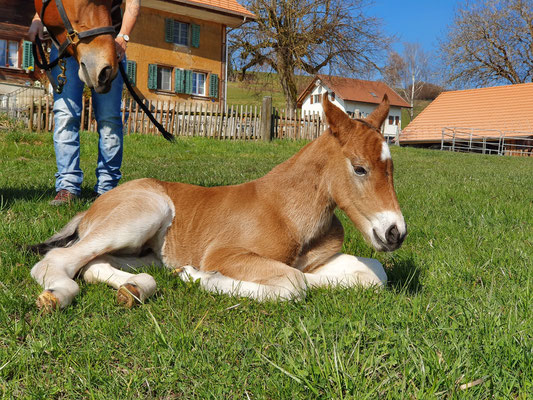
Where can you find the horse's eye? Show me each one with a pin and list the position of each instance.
(361, 171)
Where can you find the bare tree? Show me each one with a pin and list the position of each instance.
(490, 41)
(407, 72)
(292, 36)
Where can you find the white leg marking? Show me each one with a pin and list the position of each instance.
(55, 272)
(216, 282)
(100, 270)
(347, 270)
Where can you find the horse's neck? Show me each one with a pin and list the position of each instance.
(301, 192)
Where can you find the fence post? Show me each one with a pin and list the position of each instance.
(397, 136)
(30, 119)
(266, 118)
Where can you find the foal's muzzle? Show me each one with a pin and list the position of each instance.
(393, 239)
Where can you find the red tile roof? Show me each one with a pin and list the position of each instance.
(224, 5)
(356, 90)
(500, 108)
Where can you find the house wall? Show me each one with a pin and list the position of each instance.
(350, 106)
(15, 19)
(148, 46)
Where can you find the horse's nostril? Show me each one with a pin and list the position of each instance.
(104, 75)
(392, 235)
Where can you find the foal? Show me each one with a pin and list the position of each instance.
(269, 238)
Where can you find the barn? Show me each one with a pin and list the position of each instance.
(492, 120)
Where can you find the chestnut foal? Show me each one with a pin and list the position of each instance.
(269, 238)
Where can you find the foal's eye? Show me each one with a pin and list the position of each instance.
(360, 171)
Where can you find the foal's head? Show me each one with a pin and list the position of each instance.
(96, 55)
(361, 181)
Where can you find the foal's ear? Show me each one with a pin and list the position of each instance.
(379, 115)
(338, 121)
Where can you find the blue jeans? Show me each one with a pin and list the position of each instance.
(67, 117)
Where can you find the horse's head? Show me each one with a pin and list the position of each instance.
(361, 182)
(95, 54)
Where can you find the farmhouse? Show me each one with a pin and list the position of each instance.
(178, 49)
(493, 120)
(358, 98)
(16, 60)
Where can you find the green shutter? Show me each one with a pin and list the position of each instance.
(169, 30)
(131, 69)
(188, 81)
(213, 85)
(152, 76)
(179, 84)
(27, 55)
(195, 35)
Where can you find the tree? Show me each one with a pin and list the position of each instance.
(490, 41)
(407, 72)
(291, 36)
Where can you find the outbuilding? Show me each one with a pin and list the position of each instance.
(491, 120)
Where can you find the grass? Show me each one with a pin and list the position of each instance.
(454, 322)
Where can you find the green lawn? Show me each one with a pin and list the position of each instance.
(454, 322)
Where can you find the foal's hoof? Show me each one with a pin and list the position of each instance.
(47, 302)
(128, 295)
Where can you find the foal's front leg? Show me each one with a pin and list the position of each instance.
(239, 272)
(325, 265)
(347, 271)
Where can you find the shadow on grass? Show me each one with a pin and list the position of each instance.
(9, 196)
(404, 276)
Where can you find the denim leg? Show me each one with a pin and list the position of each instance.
(67, 111)
(110, 145)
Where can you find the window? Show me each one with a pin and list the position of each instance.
(9, 53)
(184, 81)
(397, 120)
(159, 77)
(332, 96)
(391, 120)
(198, 83)
(164, 78)
(181, 33)
(317, 98)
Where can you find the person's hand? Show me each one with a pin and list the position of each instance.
(36, 28)
(120, 45)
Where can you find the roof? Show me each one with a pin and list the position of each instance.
(500, 108)
(222, 5)
(349, 89)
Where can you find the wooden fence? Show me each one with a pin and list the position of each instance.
(238, 122)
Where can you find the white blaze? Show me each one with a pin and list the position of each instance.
(385, 151)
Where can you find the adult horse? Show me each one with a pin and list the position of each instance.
(82, 29)
(269, 238)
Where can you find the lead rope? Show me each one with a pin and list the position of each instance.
(166, 134)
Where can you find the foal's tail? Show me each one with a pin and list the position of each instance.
(64, 238)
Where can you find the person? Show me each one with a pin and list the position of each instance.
(67, 115)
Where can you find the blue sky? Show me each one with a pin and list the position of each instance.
(422, 21)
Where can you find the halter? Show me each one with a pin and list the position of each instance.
(73, 38)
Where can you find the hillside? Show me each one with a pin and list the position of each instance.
(260, 84)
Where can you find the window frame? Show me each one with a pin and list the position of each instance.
(195, 74)
(179, 31)
(7, 54)
(158, 87)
